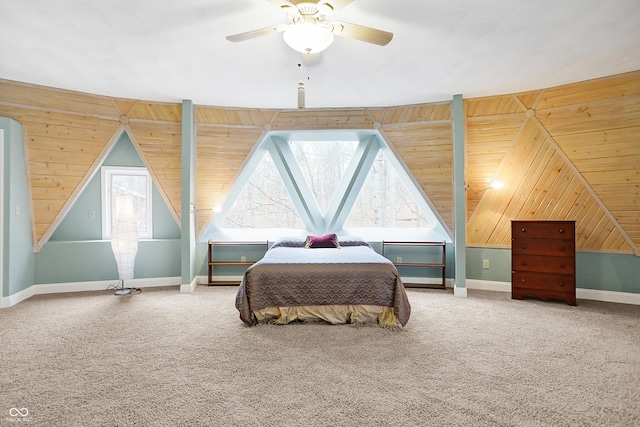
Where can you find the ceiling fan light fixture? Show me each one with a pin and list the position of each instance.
(308, 37)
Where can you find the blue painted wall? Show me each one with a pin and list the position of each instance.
(597, 271)
(75, 251)
(18, 260)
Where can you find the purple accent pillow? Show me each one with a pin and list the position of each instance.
(325, 241)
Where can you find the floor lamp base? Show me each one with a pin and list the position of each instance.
(122, 290)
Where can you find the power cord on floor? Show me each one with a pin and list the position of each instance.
(116, 287)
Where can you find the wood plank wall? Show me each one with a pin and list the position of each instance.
(569, 152)
(68, 134)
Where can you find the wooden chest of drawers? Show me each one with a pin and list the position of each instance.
(543, 260)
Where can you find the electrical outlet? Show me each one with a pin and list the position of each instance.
(243, 259)
(485, 264)
(399, 260)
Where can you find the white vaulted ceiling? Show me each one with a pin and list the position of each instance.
(168, 50)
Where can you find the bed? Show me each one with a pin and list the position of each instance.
(344, 281)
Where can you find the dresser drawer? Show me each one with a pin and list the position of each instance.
(543, 264)
(543, 229)
(543, 281)
(543, 247)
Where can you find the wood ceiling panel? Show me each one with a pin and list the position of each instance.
(609, 160)
(529, 99)
(593, 117)
(427, 150)
(589, 91)
(221, 151)
(491, 106)
(541, 184)
(125, 105)
(334, 119)
(417, 113)
(50, 99)
(156, 112)
(488, 137)
(161, 146)
(69, 156)
(230, 116)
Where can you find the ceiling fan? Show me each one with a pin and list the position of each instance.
(310, 31)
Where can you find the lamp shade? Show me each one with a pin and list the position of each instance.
(308, 37)
(124, 236)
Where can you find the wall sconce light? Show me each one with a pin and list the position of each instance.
(497, 185)
(194, 208)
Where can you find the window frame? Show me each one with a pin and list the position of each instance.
(106, 197)
(370, 143)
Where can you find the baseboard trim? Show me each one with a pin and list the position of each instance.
(189, 288)
(608, 296)
(98, 285)
(459, 291)
(488, 285)
(101, 285)
(581, 293)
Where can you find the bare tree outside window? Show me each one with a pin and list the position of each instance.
(323, 164)
(384, 201)
(129, 181)
(264, 202)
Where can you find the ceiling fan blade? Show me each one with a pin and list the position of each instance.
(362, 33)
(258, 33)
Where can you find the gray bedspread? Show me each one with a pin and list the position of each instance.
(296, 276)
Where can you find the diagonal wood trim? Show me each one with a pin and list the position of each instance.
(586, 184)
(154, 177)
(580, 177)
(78, 190)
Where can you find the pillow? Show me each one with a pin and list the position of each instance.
(325, 241)
(290, 242)
(352, 241)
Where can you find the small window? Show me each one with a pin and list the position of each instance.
(131, 181)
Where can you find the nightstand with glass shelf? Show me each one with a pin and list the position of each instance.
(254, 250)
(429, 259)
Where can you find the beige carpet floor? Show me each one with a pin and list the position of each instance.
(162, 358)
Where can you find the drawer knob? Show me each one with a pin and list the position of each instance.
(561, 248)
(523, 263)
(522, 280)
(561, 283)
(523, 246)
(561, 265)
(561, 230)
(524, 230)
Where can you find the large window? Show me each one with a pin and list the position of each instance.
(324, 186)
(131, 181)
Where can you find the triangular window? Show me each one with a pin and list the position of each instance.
(384, 201)
(323, 164)
(324, 182)
(263, 202)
